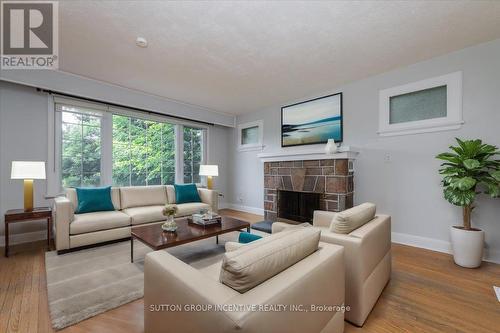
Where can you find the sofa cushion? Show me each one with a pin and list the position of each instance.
(138, 196)
(115, 197)
(145, 214)
(170, 194)
(94, 199)
(260, 260)
(90, 222)
(353, 218)
(186, 193)
(191, 208)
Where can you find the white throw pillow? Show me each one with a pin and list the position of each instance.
(258, 261)
(351, 219)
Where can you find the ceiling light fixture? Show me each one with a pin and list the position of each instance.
(141, 42)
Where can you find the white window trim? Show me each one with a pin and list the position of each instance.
(53, 186)
(452, 121)
(179, 154)
(106, 149)
(256, 146)
(54, 138)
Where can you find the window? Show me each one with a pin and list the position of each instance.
(420, 105)
(97, 145)
(81, 148)
(143, 152)
(424, 106)
(193, 153)
(250, 136)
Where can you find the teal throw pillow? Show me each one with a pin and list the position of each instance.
(94, 199)
(246, 237)
(185, 193)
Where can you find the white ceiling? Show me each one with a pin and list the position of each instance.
(238, 57)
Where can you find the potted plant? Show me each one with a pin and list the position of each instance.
(469, 170)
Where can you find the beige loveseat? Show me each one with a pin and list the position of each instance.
(134, 205)
(180, 298)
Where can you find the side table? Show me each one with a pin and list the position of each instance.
(20, 215)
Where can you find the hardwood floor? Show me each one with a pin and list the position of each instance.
(427, 293)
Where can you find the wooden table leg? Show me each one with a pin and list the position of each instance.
(6, 239)
(216, 239)
(131, 249)
(248, 229)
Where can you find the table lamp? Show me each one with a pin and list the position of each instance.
(28, 171)
(209, 171)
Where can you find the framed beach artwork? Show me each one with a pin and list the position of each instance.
(312, 122)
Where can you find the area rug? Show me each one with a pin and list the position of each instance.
(88, 282)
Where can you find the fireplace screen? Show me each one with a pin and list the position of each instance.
(297, 206)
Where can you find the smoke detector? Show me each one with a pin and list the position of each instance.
(141, 42)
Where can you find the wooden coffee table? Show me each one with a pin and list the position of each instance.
(153, 236)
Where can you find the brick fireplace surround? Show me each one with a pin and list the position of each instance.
(332, 178)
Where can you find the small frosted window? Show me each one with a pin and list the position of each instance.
(418, 105)
(250, 135)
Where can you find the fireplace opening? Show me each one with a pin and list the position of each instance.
(297, 206)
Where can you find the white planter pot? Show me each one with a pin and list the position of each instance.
(467, 247)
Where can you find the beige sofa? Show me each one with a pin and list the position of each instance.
(180, 298)
(134, 205)
(367, 254)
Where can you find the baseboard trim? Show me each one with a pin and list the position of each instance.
(438, 245)
(421, 242)
(247, 209)
(26, 237)
(399, 238)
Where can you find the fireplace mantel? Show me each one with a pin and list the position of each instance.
(307, 154)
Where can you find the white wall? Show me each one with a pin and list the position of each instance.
(77, 85)
(407, 187)
(24, 136)
(219, 143)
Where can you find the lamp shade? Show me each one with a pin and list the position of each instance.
(27, 170)
(209, 170)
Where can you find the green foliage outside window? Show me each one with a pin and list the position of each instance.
(143, 152)
(193, 154)
(81, 150)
